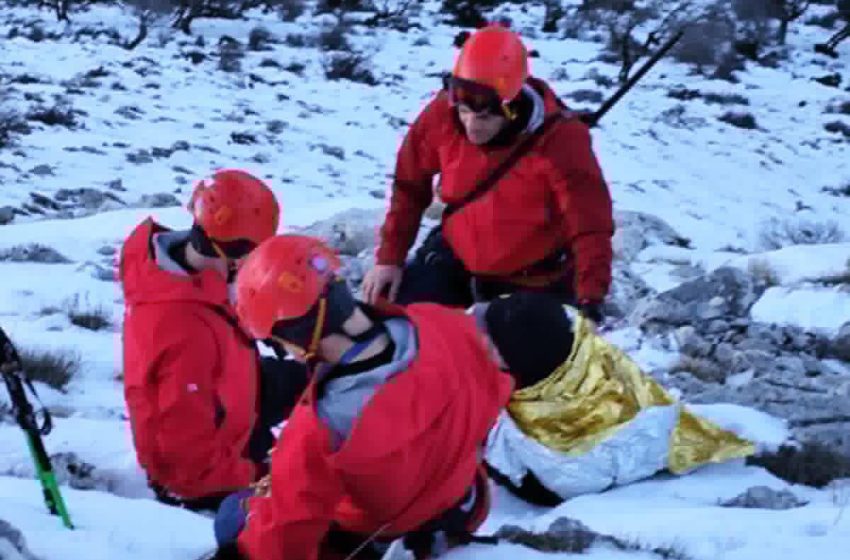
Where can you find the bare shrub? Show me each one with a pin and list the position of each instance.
(776, 233)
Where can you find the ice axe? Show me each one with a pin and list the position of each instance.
(592, 119)
(16, 382)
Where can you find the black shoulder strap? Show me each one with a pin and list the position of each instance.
(499, 171)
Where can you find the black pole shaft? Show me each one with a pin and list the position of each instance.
(595, 117)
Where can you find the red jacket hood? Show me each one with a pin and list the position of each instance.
(144, 280)
(551, 102)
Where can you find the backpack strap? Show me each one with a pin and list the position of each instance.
(505, 165)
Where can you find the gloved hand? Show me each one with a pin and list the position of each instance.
(231, 516)
(228, 552)
(591, 310)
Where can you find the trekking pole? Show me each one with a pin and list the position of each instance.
(592, 119)
(13, 376)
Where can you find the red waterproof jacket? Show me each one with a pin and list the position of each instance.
(411, 454)
(190, 375)
(554, 197)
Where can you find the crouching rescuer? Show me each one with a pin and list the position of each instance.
(527, 206)
(386, 441)
(200, 399)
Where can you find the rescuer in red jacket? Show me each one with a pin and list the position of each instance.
(386, 440)
(545, 224)
(192, 376)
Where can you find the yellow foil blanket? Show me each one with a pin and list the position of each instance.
(597, 391)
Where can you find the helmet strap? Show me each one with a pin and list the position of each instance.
(509, 111)
(312, 350)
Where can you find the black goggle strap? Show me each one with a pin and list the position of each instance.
(477, 97)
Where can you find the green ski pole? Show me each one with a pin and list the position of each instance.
(13, 376)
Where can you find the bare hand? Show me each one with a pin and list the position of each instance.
(377, 279)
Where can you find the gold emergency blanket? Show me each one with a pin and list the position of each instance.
(597, 391)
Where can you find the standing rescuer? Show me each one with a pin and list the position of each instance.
(527, 205)
(193, 380)
(387, 439)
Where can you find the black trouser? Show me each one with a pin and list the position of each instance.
(281, 384)
(435, 274)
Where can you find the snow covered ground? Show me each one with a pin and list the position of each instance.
(328, 146)
(680, 513)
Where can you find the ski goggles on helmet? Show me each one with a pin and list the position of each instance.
(479, 98)
(212, 248)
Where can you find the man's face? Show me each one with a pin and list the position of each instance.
(482, 126)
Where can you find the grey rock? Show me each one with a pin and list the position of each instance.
(333, 151)
(788, 367)
(687, 384)
(741, 361)
(813, 367)
(661, 313)
(627, 289)
(15, 547)
(563, 535)
(107, 250)
(724, 354)
(130, 112)
(687, 272)
(586, 95)
(690, 343)
(726, 292)
(838, 347)
(715, 326)
(574, 530)
(116, 185)
(704, 369)
(244, 137)
(350, 232)
(88, 198)
(276, 126)
(92, 198)
(158, 200)
(42, 170)
(180, 146)
(44, 201)
(7, 214)
(205, 148)
(635, 231)
(139, 157)
(99, 271)
(354, 270)
(756, 345)
(763, 497)
(741, 323)
(33, 252)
